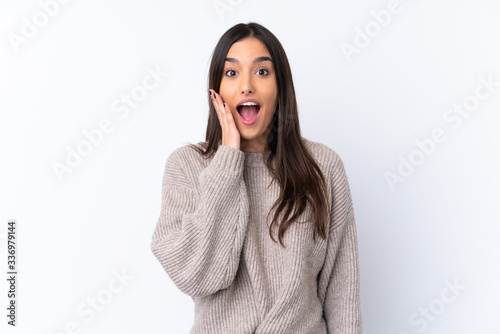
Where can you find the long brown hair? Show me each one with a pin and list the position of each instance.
(299, 177)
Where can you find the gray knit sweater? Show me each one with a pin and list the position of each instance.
(213, 241)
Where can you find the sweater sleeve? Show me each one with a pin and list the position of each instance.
(341, 278)
(199, 235)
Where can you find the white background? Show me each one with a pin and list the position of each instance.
(76, 234)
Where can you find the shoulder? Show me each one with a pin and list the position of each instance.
(323, 154)
(330, 163)
(186, 159)
(183, 165)
(185, 154)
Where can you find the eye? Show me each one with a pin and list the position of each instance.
(263, 69)
(260, 69)
(229, 71)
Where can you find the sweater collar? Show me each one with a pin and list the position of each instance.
(256, 159)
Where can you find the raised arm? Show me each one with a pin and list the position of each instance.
(199, 237)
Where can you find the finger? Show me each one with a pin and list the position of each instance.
(219, 105)
(212, 98)
(230, 117)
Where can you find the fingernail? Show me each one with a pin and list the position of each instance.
(210, 92)
(224, 105)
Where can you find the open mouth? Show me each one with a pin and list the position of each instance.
(248, 114)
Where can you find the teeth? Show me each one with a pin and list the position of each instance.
(249, 104)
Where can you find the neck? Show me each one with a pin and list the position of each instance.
(254, 146)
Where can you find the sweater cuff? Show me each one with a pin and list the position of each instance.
(228, 158)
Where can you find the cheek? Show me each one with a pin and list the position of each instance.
(271, 97)
(225, 89)
(268, 118)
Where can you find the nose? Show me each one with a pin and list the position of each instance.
(247, 85)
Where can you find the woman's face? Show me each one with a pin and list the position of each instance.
(247, 75)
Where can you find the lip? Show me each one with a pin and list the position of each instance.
(248, 100)
(258, 112)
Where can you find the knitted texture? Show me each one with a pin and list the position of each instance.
(212, 239)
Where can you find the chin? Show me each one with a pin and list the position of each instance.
(248, 136)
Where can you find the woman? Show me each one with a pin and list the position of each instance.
(214, 237)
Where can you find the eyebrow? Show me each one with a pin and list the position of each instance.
(255, 61)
